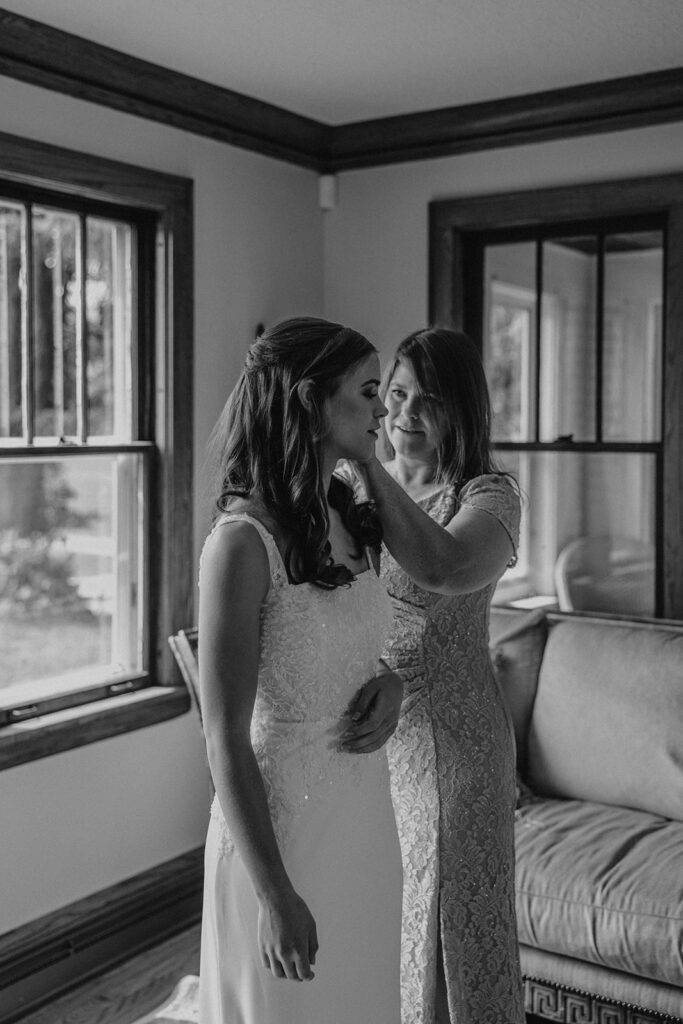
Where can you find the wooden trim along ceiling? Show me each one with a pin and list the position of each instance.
(48, 57)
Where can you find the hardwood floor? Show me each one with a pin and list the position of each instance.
(128, 991)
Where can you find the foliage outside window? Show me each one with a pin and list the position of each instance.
(72, 479)
(95, 446)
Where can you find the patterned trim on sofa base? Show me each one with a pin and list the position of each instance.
(571, 1006)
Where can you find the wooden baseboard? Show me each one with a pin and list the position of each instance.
(47, 957)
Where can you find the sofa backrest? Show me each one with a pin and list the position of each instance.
(606, 723)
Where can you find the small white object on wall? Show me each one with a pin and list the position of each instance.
(327, 191)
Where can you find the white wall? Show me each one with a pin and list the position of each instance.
(376, 239)
(80, 821)
(85, 819)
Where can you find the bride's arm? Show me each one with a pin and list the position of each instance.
(235, 581)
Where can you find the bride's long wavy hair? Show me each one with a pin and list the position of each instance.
(268, 442)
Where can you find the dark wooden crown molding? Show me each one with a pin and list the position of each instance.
(632, 102)
(48, 57)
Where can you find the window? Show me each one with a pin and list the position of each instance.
(73, 476)
(581, 341)
(95, 446)
(509, 362)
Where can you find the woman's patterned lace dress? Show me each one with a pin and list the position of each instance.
(453, 784)
(332, 815)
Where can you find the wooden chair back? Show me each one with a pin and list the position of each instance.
(184, 646)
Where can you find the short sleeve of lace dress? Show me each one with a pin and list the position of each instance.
(496, 494)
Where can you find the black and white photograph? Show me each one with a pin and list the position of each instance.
(341, 512)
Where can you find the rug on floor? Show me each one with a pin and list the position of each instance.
(181, 1007)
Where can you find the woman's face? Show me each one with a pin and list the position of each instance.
(414, 422)
(354, 412)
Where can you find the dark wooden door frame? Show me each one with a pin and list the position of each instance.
(453, 228)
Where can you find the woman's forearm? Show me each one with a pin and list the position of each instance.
(467, 555)
(431, 556)
(242, 797)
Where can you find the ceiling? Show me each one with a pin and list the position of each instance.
(341, 61)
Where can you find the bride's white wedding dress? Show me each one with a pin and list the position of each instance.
(331, 812)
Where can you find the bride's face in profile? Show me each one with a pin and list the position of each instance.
(353, 413)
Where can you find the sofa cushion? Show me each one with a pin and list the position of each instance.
(602, 884)
(517, 640)
(607, 721)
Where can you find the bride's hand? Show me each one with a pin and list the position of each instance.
(373, 714)
(287, 937)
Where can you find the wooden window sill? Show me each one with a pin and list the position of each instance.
(75, 727)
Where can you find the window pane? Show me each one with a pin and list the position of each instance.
(518, 464)
(12, 227)
(109, 329)
(568, 339)
(588, 530)
(632, 346)
(56, 302)
(70, 570)
(509, 338)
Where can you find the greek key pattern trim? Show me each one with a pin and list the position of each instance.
(571, 1006)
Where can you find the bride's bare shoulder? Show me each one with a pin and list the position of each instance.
(254, 507)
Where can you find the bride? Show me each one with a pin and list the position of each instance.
(303, 866)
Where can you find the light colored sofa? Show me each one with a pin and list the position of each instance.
(597, 709)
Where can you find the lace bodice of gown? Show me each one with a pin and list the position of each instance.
(331, 813)
(318, 647)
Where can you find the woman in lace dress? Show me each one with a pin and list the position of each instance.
(450, 525)
(302, 849)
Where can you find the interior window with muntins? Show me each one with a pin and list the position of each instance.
(572, 345)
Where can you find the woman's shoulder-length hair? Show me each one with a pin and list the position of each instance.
(450, 376)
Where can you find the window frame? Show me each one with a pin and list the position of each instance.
(164, 203)
(456, 230)
(525, 300)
